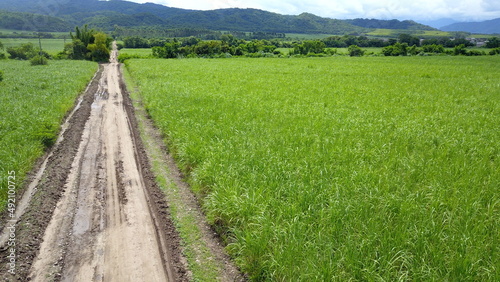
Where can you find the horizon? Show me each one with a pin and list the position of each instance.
(421, 11)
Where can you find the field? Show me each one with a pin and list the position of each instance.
(143, 52)
(33, 102)
(51, 46)
(380, 32)
(340, 168)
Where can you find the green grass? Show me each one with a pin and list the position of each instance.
(33, 102)
(145, 52)
(303, 36)
(319, 169)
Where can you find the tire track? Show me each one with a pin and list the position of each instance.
(104, 227)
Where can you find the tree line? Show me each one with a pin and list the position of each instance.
(228, 45)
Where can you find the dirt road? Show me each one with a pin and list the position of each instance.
(105, 226)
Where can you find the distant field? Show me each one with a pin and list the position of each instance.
(301, 36)
(33, 102)
(51, 46)
(395, 32)
(13, 32)
(140, 52)
(343, 169)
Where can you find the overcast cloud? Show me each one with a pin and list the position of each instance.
(466, 10)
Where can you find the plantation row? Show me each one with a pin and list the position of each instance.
(321, 169)
(33, 102)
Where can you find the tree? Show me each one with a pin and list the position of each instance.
(85, 35)
(88, 45)
(25, 51)
(408, 39)
(76, 50)
(310, 46)
(493, 42)
(460, 50)
(99, 51)
(398, 49)
(355, 51)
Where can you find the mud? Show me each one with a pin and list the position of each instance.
(96, 213)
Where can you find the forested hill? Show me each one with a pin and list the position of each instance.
(32, 22)
(108, 14)
(389, 24)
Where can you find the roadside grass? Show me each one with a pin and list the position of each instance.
(201, 261)
(340, 168)
(33, 103)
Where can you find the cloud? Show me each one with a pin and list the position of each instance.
(381, 9)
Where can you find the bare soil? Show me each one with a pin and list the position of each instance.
(96, 213)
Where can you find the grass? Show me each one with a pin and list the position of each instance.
(33, 102)
(200, 259)
(340, 168)
(143, 52)
(381, 32)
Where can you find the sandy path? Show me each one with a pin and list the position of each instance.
(103, 228)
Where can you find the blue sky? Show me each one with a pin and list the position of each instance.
(464, 10)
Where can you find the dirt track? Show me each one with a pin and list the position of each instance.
(107, 221)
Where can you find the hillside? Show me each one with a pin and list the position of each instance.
(389, 24)
(32, 22)
(108, 14)
(488, 27)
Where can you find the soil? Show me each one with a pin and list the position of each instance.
(96, 213)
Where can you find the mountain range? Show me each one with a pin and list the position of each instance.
(488, 27)
(62, 15)
(108, 14)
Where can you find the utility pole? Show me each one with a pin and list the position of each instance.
(40, 43)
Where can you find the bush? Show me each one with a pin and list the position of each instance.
(355, 51)
(39, 61)
(1, 76)
(123, 57)
(495, 51)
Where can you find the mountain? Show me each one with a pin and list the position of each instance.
(487, 27)
(32, 22)
(258, 20)
(108, 14)
(389, 24)
(438, 23)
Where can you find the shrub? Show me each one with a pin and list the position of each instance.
(355, 51)
(123, 57)
(1, 76)
(39, 61)
(495, 51)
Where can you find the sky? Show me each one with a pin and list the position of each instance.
(463, 10)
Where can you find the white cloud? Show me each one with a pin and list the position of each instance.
(382, 9)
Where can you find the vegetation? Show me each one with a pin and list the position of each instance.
(34, 22)
(88, 44)
(229, 46)
(39, 61)
(389, 24)
(33, 102)
(51, 46)
(107, 15)
(370, 169)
